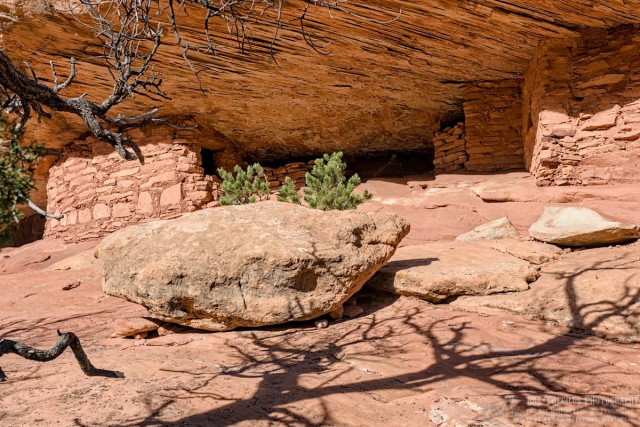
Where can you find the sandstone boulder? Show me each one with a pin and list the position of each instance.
(577, 226)
(250, 265)
(500, 228)
(437, 271)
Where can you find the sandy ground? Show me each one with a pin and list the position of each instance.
(403, 363)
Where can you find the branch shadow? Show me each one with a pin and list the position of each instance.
(526, 381)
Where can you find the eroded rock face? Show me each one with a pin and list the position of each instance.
(437, 271)
(577, 226)
(501, 228)
(250, 265)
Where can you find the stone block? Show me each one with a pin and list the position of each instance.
(101, 211)
(145, 203)
(163, 177)
(84, 216)
(171, 196)
(121, 210)
(72, 217)
(126, 172)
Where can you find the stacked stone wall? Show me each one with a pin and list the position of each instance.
(296, 171)
(582, 109)
(450, 149)
(493, 126)
(98, 192)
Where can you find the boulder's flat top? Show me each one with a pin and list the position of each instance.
(405, 362)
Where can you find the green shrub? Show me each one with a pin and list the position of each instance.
(245, 187)
(288, 192)
(328, 188)
(17, 164)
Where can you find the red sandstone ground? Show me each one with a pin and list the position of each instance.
(405, 362)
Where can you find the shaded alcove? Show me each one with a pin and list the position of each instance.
(28, 230)
(369, 164)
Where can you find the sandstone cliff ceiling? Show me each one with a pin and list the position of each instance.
(382, 87)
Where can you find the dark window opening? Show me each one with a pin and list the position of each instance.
(208, 162)
(452, 119)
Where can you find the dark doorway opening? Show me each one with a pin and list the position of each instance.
(208, 162)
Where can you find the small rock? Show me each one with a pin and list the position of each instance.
(321, 323)
(337, 313)
(352, 311)
(352, 301)
(170, 328)
(141, 335)
(130, 326)
(71, 285)
(501, 228)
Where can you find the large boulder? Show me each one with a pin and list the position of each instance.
(577, 226)
(438, 271)
(250, 265)
(500, 228)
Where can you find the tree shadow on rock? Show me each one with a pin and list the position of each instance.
(533, 378)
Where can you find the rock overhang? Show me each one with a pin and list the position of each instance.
(381, 88)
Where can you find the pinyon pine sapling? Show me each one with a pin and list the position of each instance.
(245, 187)
(328, 188)
(288, 192)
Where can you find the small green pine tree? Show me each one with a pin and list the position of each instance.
(17, 164)
(245, 187)
(288, 192)
(328, 188)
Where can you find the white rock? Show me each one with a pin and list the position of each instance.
(577, 226)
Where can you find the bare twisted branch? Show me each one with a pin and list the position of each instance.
(67, 339)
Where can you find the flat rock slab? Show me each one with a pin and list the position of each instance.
(595, 291)
(437, 271)
(251, 265)
(533, 252)
(578, 226)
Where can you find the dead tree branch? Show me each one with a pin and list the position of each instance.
(67, 339)
(42, 211)
(131, 32)
(238, 15)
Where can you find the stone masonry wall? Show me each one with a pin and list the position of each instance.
(296, 171)
(98, 192)
(493, 125)
(450, 149)
(582, 109)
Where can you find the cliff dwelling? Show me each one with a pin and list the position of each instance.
(481, 270)
(452, 87)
